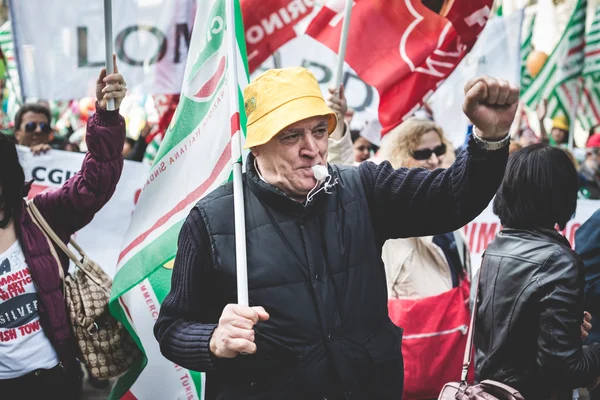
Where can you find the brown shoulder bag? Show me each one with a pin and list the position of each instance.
(106, 347)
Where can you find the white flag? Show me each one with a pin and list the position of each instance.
(60, 45)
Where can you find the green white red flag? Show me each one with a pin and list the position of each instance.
(589, 111)
(194, 158)
(559, 80)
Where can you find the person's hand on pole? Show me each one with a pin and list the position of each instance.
(491, 104)
(110, 87)
(338, 104)
(235, 332)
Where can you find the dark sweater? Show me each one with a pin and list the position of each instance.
(427, 203)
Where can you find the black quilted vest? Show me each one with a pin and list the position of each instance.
(317, 271)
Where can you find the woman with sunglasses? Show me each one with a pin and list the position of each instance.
(426, 274)
(417, 142)
(38, 353)
(420, 143)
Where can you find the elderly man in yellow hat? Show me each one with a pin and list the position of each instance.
(317, 326)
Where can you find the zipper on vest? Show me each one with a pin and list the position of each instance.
(462, 329)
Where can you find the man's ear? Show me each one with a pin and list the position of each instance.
(19, 136)
(254, 151)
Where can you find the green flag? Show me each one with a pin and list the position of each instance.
(194, 158)
(526, 49)
(589, 111)
(559, 81)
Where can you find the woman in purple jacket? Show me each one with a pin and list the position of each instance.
(37, 348)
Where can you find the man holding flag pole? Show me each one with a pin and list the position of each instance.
(315, 323)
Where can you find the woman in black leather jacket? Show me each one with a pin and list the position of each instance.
(528, 327)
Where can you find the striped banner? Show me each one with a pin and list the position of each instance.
(559, 81)
(526, 49)
(194, 158)
(589, 111)
(12, 74)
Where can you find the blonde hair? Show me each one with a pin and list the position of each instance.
(404, 139)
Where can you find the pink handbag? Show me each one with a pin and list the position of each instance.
(485, 390)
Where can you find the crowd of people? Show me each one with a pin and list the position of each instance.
(327, 256)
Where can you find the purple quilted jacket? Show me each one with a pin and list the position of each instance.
(67, 210)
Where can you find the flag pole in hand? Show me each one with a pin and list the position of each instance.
(236, 149)
(339, 72)
(108, 46)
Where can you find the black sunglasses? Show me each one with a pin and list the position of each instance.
(30, 127)
(425, 154)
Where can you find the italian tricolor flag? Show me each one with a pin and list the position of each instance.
(589, 110)
(559, 81)
(195, 157)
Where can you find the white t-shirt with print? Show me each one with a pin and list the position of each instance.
(24, 346)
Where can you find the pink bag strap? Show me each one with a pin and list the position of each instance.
(471, 335)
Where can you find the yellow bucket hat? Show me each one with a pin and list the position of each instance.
(279, 98)
(560, 122)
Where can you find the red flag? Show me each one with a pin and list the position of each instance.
(270, 24)
(404, 48)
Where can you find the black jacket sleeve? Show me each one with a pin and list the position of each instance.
(587, 245)
(417, 202)
(561, 355)
(187, 315)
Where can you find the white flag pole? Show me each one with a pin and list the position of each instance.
(108, 46)
(236, 149)
(339, 72)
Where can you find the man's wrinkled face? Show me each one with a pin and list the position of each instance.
(286, 160)
(34, 130)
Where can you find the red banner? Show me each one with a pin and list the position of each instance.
(404, 48)
(270, 24)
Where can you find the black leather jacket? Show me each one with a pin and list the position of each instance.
(530, 312)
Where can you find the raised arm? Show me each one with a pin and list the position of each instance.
(417, 202)
(341, 151)
(541, 114)
(73, 206)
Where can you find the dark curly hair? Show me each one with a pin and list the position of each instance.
(12, 180)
